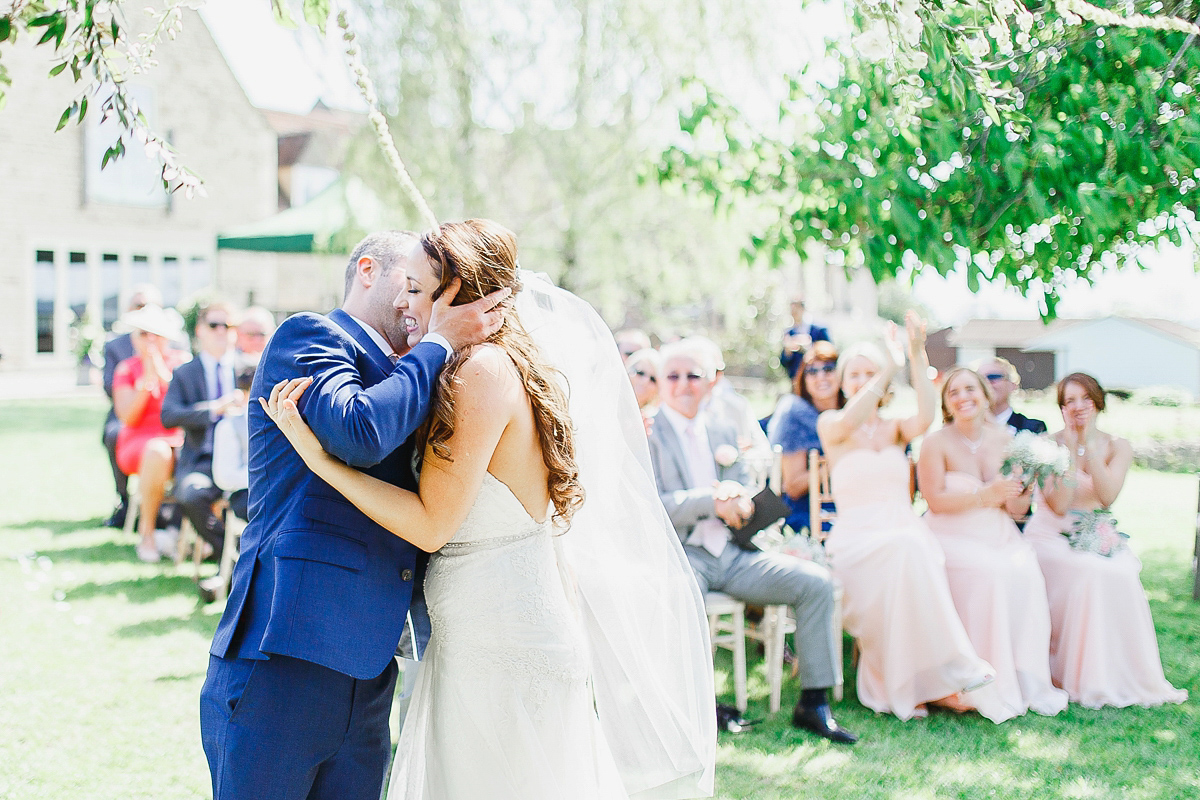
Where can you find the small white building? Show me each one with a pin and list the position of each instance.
(1126, 353)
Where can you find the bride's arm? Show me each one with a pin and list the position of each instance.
(448, 488)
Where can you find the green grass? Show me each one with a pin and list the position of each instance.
(102, 658)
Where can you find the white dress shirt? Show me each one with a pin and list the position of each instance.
(386, 348)
(709, 533)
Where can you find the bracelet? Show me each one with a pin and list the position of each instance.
(876, 391)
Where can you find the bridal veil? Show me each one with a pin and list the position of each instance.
(641, 607)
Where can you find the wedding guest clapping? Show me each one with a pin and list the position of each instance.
(144, 446)
(994, 576)
(794, 425)
(896, 600)
(1103, 649)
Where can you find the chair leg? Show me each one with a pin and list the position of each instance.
(775, 634)
(839, 685)
(739, 658)
(233, 532)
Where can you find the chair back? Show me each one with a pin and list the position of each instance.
(820, 494)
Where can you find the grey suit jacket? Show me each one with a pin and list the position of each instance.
(687, 503)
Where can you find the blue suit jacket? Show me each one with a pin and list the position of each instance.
(317, 579)
(791, 361)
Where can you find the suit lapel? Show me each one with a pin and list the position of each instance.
(674, 447)
(355, 331)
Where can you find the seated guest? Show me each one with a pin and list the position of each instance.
(1103, 649)
(799, 338)
(254, 327)
(1004, 380)
(994, 576)
(231, 451)
(794, 425)
(144, 446)
(725, 403)
(644, 368)
(201, 392)
(631, 340)
(702, 483)
(117, 349)
(896, 600)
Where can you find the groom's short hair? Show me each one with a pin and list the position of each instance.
(385, 247)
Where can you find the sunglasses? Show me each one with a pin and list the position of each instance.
(690, 377)
(994, 377)
(815, 369)
(217, 325)
(641, 373)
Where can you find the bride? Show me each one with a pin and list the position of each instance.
(569, 653)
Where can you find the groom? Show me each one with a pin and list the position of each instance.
(301, 670)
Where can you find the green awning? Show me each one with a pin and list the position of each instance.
(331, 222)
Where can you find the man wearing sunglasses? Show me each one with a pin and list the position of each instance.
(1004, 380)
(200, 393)
(702, 482)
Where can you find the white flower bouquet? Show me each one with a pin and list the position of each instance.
(1095, 532)
(1035, 458)
(803, 546)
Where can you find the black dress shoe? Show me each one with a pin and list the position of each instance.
(820, 721)
(117, 519)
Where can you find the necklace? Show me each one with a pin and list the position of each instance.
(973, 446)
(870, 428)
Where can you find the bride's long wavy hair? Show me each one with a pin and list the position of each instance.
(483, 254)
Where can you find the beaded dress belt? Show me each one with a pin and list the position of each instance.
(463, 548)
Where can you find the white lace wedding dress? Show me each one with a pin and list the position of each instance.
(503, 705)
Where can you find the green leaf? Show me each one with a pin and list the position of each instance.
(316, 12)
(283, 14)
(83, 103)
(66, 116)
(58, 69)
(5, 28)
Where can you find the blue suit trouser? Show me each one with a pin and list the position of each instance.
(287, 729)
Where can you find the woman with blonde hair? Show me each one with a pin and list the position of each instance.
(993, 573)
(897, 602)
(569, 655)
(1103, 649)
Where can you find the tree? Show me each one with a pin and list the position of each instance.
(1023, 155)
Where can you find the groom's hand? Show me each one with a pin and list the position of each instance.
(471, 323)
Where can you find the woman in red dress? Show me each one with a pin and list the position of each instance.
(144, 447)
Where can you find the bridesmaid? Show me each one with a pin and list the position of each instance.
(994, 577)
(1103, 649)
(896, 601)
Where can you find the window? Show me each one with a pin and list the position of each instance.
(44, 286)
(79, 284)
(110, 289)
(199, 274)
(140, 273)
(170, 281)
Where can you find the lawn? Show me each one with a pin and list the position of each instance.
(102, 657)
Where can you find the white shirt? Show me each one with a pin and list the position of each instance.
(386, 348)
(1004, 416)
(211, 365)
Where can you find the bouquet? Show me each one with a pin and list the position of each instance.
(803, 546)
(1095, 532)
(1036, 458)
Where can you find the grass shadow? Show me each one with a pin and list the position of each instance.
(57, 527)
(102, 553)
(197, 622)
(136, 590)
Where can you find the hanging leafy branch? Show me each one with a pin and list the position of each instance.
(1082, 145)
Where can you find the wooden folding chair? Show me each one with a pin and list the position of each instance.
(727, 628)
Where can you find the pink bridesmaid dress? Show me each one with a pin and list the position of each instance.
(896, 601)
(1001, 599)
(1103, 648)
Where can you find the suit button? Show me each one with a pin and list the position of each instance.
(406, 575)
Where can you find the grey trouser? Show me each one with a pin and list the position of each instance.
(774, 579)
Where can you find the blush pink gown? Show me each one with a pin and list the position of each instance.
(1001, 599)
(896, 601)
(1103, 648)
